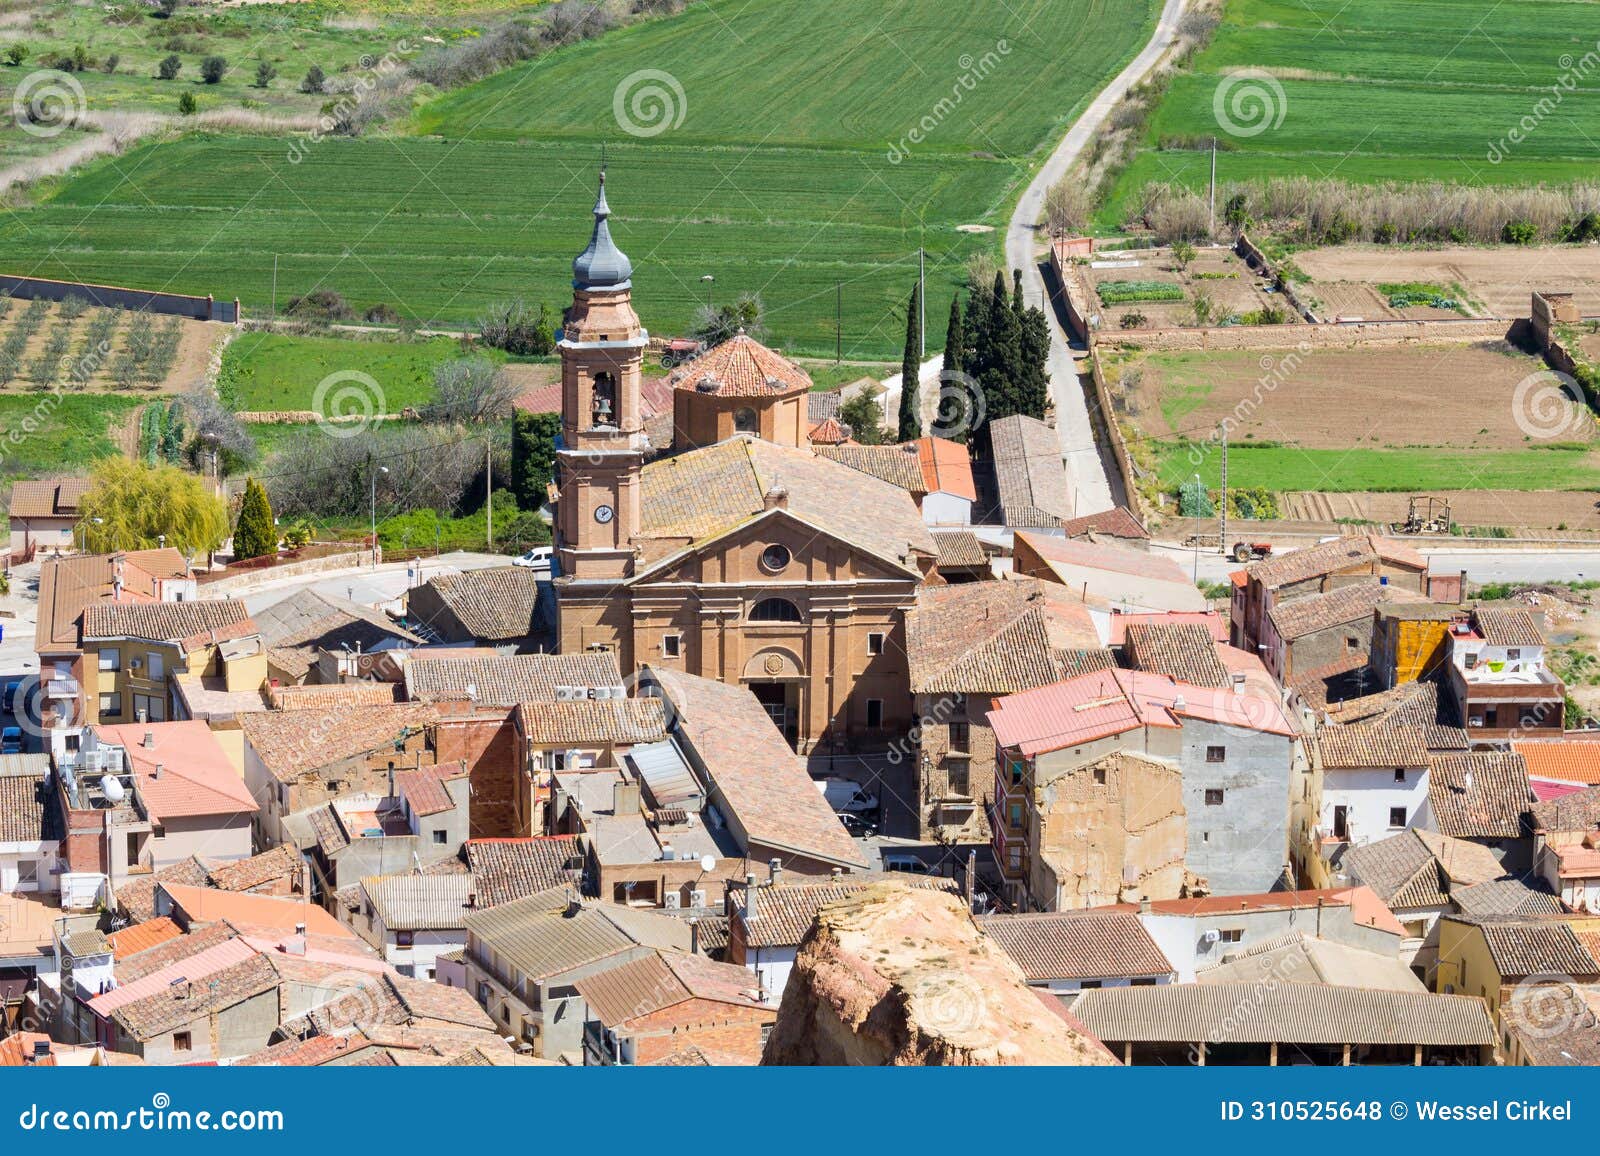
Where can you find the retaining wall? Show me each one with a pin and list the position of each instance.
(107, 296)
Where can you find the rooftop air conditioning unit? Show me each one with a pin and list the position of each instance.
(1211, 935)
(136, 664)
(570, 694)
(673, 900)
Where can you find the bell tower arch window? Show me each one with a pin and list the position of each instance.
(746, 421)
(603, 400)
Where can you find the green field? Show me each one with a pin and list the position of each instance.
(273, 371)
(778, 180)
(1280, 468)
(1371, 91)
(43, 434)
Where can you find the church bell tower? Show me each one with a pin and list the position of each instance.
(602, 426)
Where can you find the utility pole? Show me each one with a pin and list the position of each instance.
(1213, 229)
(838, 322)
(274, 287)
(488, 493)
(922, 302)
(1222, 509)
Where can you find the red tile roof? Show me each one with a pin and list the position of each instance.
(58, 499)
(1117, 522)
(132, 940)
(1111, 702)
(741, 367)
(266, 912)
(1366, 907)
(1571, 760)
(1210, 619)
(185, 772)
(946, 468)
(828, 432)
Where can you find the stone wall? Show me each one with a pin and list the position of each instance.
(1350, 335)
(111, 296)
(226, 582)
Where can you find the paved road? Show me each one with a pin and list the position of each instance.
(1078, 447)
(378, 587)
(1528, 564)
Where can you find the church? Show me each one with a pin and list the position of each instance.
(738, 553)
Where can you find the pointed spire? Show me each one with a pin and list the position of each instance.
(602, 265)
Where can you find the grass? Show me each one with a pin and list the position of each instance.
(45, 434)
(778, 180)
(1280, 468)
(274, 371)
(1373, 91)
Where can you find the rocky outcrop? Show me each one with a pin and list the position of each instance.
(901, 975)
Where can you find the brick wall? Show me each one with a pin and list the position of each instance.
(724, 1029)
(487, 742)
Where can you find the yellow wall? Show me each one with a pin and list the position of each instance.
(1419, 649)
(1466, 966)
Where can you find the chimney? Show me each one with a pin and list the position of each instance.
(472, 900)
(837, 872)
(149, 739)
(1144, 907)
(694, 937)
(156, 774)
(574, 902)
(774, 871)
(776, 497)
(750, 911)
(624, 797)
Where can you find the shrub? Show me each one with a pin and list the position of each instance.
(1519, 233)
(264, 73)
(254, 534)
(381, 314)
(169, 67)
(187, 104)
(16, 53)
(1132, 320)
(315, 80)
(470, 390)
(320, 305)
(109, 64)
(213, 69)
(513, 327)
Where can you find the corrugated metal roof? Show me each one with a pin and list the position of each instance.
(662, 767)
(419, 902)
(1290, 1013)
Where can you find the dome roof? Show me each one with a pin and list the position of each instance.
(741, 367)
(602, 265)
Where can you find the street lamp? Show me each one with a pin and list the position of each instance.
(375, 473)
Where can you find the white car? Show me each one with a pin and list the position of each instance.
(537, 558)
(845, 796)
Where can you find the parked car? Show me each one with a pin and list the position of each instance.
(907, 863)
(538, 558)
(11, 741)
(847, 797)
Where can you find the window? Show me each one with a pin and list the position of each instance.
(1090, 985)
(1014, 818)
(745, 421)
(404, 938)
(1213, 796)
(1397, 816)
(671, 645)
(1016, 773)
(1514, 652)
(1399, 774)
(1216, 754)
(1099, 776)
(111, 659)
(960, 736)
(604, 411)
(875, 642)
(874, 712)
(154, 666)
(775, 558)
(181, 1042)
(483, 992)
(1142, 981)
(1014, 858)
(439, 836)
(960, 776)
(1232, 935)
(111, 704)
(775, 610)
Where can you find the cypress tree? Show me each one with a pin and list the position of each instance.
(975, 330)
(254, 535)
(533, 456)
(1002, 373)
(956, 427)
(910, 370)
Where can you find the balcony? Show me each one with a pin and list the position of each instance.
(58, 688)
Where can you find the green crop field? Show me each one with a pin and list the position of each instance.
(777, 180)
(1372, 91)
(1280, 468)
(43, 434)
(264, 372)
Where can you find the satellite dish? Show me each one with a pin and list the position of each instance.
(708, 862)
(112, 786)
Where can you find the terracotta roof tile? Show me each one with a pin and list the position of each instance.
(1508, 626)
(897, 465)
(142, 936)
(1370, 746)
(741, 367)
(278, 863)
(1527, 947)
(1571, 760)
(618, 721)
(1579, 811)
(495, 604)
(1077, 945)
(1355, 603)
(1185, 651)
(1329, 557)
(1030, 478)
(828, 432)
(28, 808)
(1496, 804)
(288, 744)
(993, 637)
(946, 468)
(1117, 522)
(48, 499)
(424, 789)
(509, 869)
(785, 913)
(183, 772)
(960, 548)
(165, 621)
(68, 585)
(509, 679)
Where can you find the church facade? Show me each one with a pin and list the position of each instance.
(740, 554)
